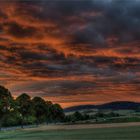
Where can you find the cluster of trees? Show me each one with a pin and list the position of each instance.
(77, 116)
(106, 115)
(25, 110)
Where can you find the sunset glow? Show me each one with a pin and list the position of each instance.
(71, 52)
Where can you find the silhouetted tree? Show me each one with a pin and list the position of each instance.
(24, 106)
(23, 110)
(77, 116)
(49, 111)
(40, 108)
(6, 103)
(58, 114)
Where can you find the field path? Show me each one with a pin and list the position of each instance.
(82, 126)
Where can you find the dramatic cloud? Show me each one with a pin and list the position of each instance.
(71, 52)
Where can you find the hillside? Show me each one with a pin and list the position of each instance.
(119, 105)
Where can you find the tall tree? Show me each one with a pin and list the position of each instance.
(6, 103)
(49, 111)
(24, 106)
(58, 114)
(40, 109)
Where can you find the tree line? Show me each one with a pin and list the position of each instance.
(25, 110)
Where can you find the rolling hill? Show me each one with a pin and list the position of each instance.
(119, 105)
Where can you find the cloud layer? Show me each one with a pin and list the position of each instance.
(71, 52)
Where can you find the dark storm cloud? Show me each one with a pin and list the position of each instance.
(71, 48)
(119, 18)
(19, 31)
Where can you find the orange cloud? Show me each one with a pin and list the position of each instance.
(71, 53)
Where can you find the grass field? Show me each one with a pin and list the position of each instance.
(88, 133)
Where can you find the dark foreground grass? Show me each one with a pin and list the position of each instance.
(122, 133)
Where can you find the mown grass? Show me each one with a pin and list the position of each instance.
(120, 133)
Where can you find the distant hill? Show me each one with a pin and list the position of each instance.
(119, 105)
(78, 108)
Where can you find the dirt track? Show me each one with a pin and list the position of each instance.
(83, 126)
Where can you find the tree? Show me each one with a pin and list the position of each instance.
(40, 109)
(6, 103)
(23, 110)
(58, 114)
(24, 106)
(49, 111)
(77, 116)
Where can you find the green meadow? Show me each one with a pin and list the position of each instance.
(119, 133)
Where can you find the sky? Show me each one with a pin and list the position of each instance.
(71, 52)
